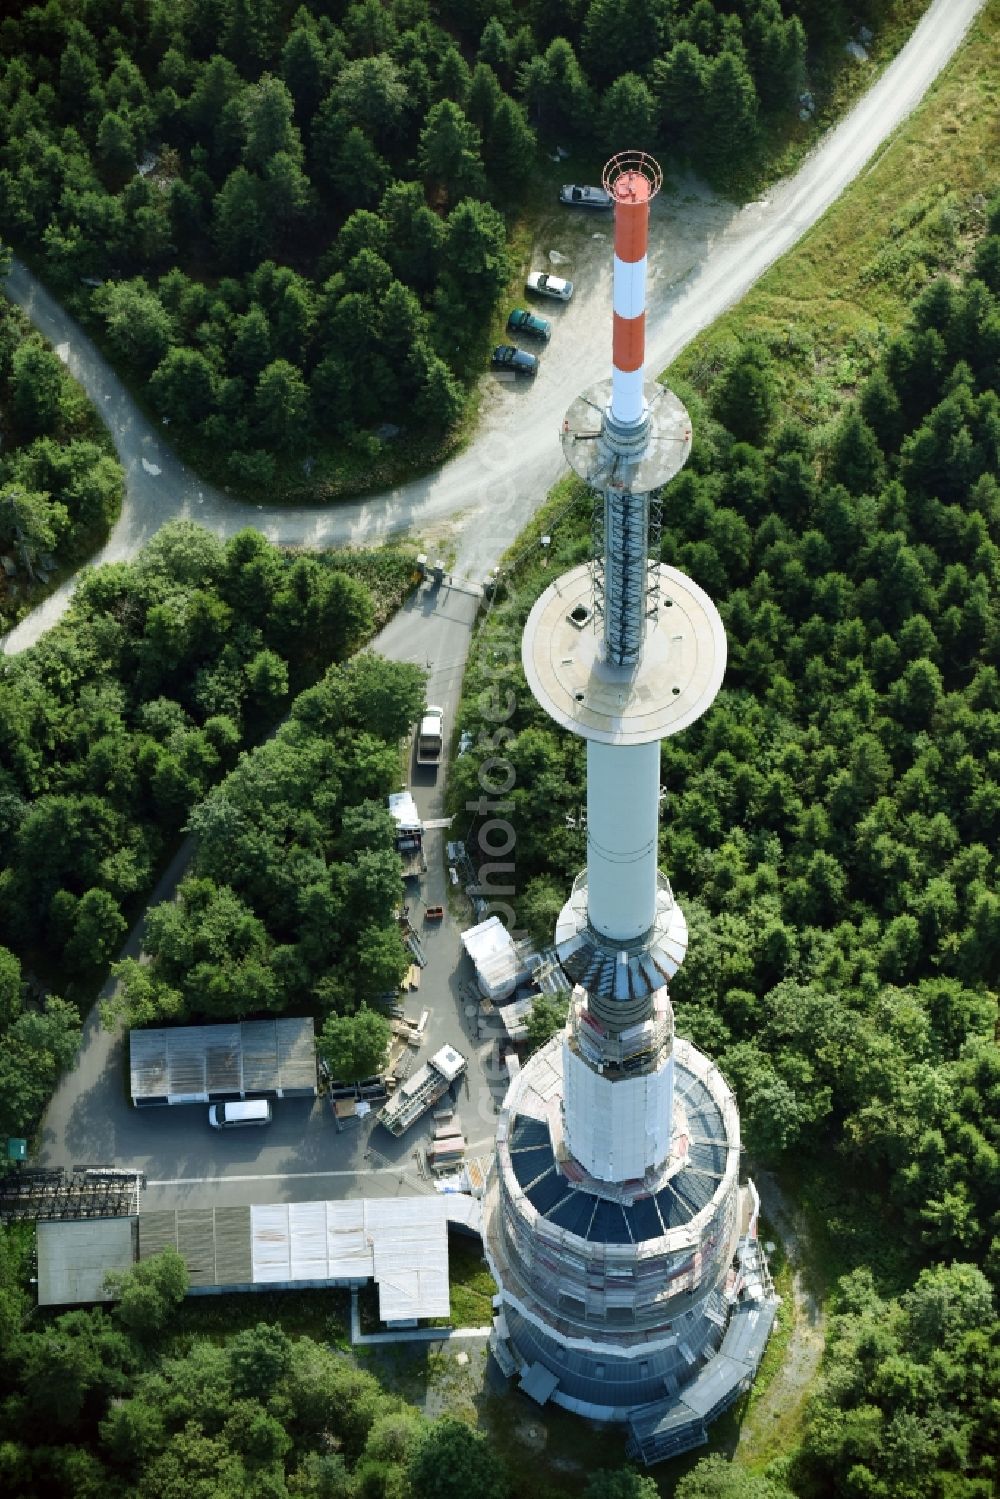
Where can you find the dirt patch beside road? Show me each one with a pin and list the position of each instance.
(772, 1422)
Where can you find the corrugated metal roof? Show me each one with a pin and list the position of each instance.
(719, 1378)
(214, 1242)
(464, 1211)
(260, 1055)
(400, 1241)
(406, 1292)
(233, 1261)
(156, 1231)
(270, 1243)
(196, 1242)
(748, 1330)
(409, 1239)
(195, 1063)
(349, 1254)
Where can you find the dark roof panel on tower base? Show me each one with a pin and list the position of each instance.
(643, 1219)
(693, 1190)
(528, 1164)
(574, 1214)
(548, 1192)
(704, 1156)
(672, 1210)
(609, 1226)
(528, 1132)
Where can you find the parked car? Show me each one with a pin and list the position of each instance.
(549, 286)
(240, 1113)
(585, 197)
(521, 321)
(516, 361)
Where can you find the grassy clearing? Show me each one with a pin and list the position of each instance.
(471, 1284)
(828, 308)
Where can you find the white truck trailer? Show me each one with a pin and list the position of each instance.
(430, 736)
(422, 1090)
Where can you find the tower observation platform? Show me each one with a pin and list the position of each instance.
(616, 1225)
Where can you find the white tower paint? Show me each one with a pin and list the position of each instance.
(623, 788)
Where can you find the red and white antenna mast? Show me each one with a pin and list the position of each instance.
(632, 179)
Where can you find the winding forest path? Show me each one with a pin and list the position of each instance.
(705, 256)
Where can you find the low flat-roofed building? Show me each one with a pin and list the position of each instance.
(74, 1256)
(216, 1063)
(399, 1242)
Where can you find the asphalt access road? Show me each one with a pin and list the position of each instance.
(301, 1155)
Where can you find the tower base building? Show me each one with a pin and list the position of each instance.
(645, 1302)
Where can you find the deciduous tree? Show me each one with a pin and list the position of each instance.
(354, 1046)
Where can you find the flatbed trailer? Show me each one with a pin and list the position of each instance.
(421, 1091)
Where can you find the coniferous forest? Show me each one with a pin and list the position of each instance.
(60, 484)
(317, 233)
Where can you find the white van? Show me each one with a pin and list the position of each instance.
(229, 1115)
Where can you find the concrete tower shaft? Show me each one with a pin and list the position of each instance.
(623, 788)
(626, 651)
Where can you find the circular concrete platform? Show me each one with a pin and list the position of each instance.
(681, 670)
(608, 460)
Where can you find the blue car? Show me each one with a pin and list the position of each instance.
(514, 361)
(521, 321)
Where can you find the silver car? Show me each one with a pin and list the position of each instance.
(549, 286)
(584, 197)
